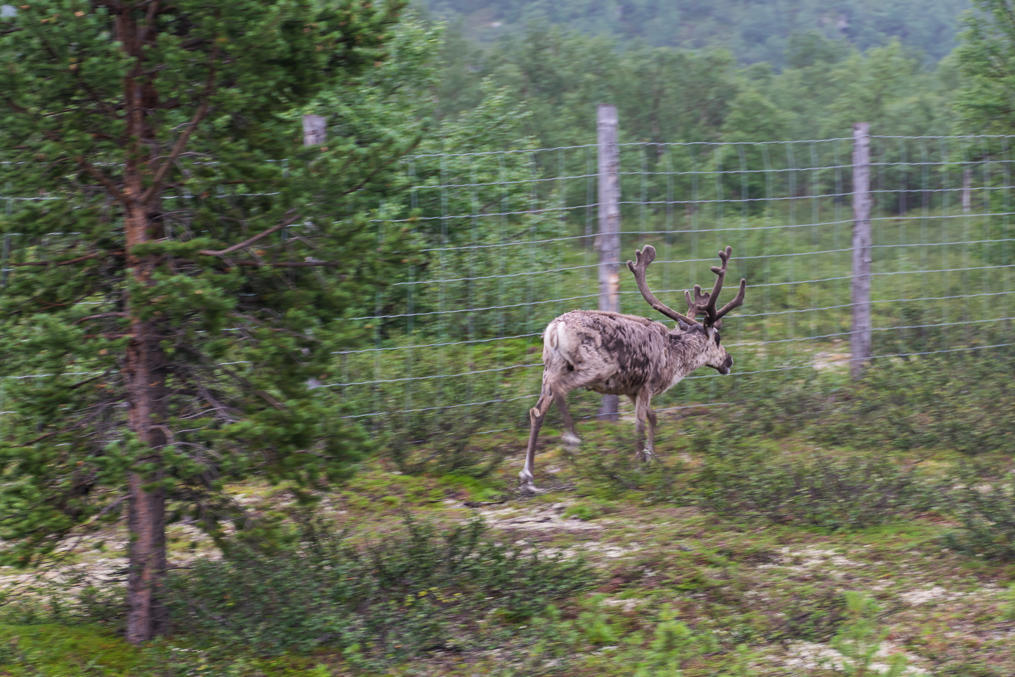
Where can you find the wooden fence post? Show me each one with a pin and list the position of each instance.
(967, 189)
(314, 130)
(860, 337)
(609, 227)
(5, 257)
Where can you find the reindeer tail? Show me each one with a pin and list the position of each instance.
(558, 342)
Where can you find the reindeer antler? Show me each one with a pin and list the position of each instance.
(698, 303)
(644, 257)
(705, 303)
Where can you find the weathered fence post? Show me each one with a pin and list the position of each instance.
(860, 337)
(609, 226)
(8, 210)
(314, 130)
(3, 260)
(967, 189)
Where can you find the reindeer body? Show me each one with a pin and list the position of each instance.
(618, 354)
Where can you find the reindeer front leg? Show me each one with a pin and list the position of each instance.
(643, 413)
(569, 437)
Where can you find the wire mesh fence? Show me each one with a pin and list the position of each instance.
(511, 242)
(461, 338)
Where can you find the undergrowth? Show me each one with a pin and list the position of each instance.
(986, 511)
(413, 592)
(822, 489)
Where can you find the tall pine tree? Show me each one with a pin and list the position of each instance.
(178, 267)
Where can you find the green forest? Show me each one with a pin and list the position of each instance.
(806, 82)
(753, 31)
(264, 393)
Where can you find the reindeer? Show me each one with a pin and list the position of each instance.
(617, 354)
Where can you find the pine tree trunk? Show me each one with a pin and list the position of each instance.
(146, 520)
(145, 361)
(144, 368)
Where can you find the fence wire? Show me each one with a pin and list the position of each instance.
(511, 242)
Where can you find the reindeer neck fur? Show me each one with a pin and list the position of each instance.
(621, 354)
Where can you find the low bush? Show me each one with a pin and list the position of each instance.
(820, 490)
(600, 640)
(963, 403)
(413, 592)
(859, 641)
(987, 513)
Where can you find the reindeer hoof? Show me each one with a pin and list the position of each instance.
(529, 489)
(526, 485)
(647, 455)
(570, 439)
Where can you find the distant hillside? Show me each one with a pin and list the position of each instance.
(753, 30)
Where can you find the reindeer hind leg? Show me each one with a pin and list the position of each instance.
(536, 416)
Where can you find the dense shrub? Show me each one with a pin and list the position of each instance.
(965, 403)
(987, 513)
(413, 592)
(821, 490)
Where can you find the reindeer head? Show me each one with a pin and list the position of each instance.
(705, 334)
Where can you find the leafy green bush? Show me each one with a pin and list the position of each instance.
(965, 403)
(820, 490)
(987, 513)
(413, 592)
(602, 640)
(959, 401)
(859, 640)
(777, 405)
(615, 470)
(810, 612)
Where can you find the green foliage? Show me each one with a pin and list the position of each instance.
(986, 92)
(860, 639)
(87, 650)
(984, 101)
(667, 94)
(589, 510)
(601, 640)
(822, 490)
(986, 511)
(754, 31)
(813, 613)
(1009, 608)
(409, 594)
(962, 403)
(959, 402)
(62, 651)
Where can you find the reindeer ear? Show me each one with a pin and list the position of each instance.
(683, 325)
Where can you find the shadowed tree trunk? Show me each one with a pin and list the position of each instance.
(144, 363)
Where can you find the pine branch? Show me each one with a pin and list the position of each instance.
(106, 182)
(181, 141)
(110, 112)
(286, 264)
(289, 219)
(15, 106)
(99, 316)
(64, 262)
(149, 26)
